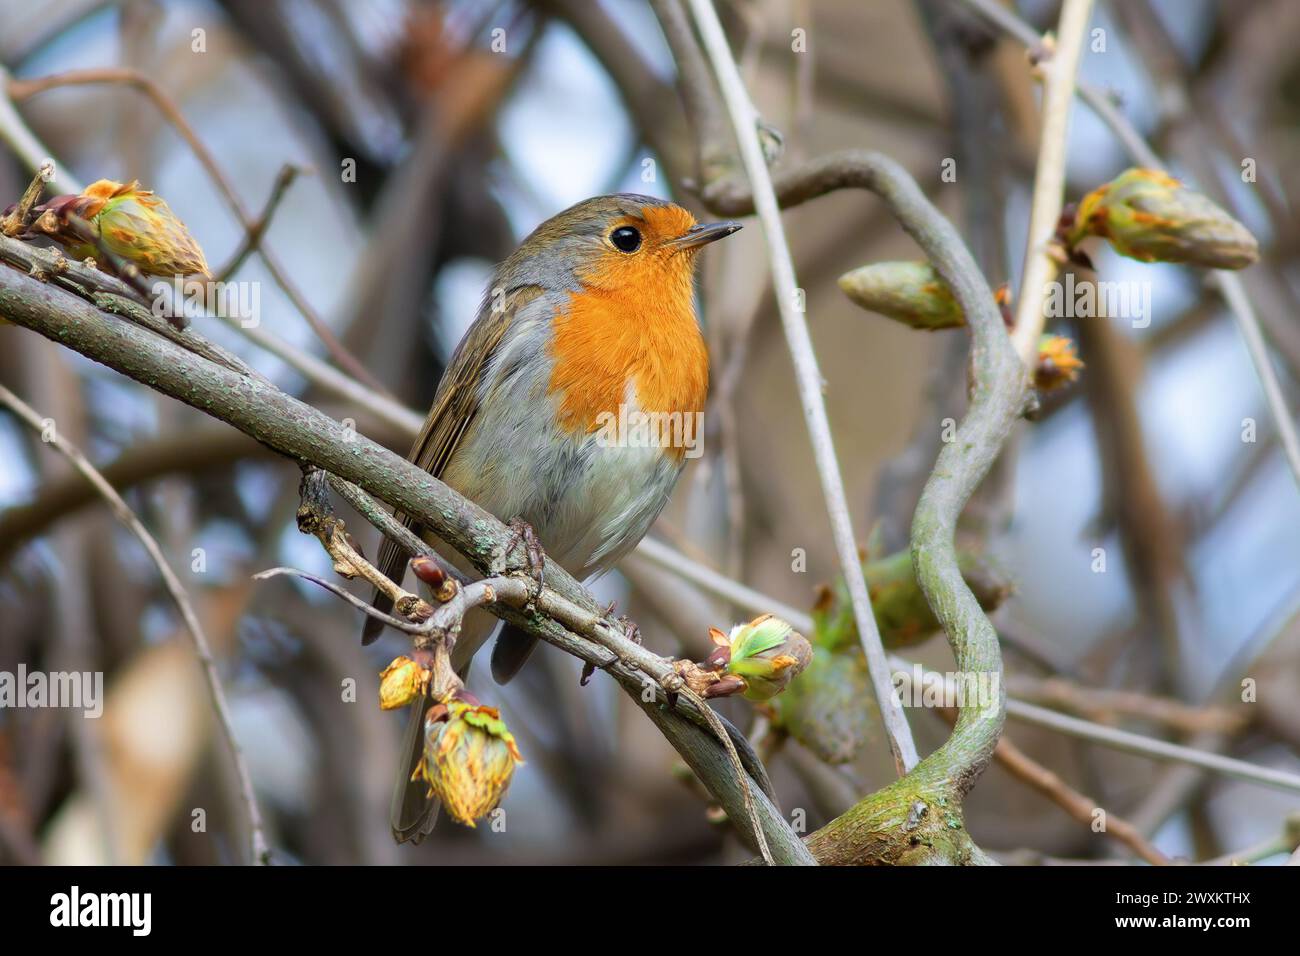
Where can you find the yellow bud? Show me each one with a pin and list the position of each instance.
(1058, 365)
(401, 682)
(132, 223)
(469, 759)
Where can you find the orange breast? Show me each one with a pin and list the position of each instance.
(609, 337)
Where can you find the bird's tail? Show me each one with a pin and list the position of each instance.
(414, 811)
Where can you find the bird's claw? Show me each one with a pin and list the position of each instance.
(521, 532)
(630, 629)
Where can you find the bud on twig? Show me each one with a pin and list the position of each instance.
(431, 573)
(767, 653)
(758, 660)
(401, 682)
(908, 292)
(131, 222)
(1150, 216)
(469, 758)
(1057, 365)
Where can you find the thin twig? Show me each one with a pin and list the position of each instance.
(1103, 705)
(364, 606)
(744, 119)
(1041, 264)
(1150, 747)
(1082, 808)
(260, 850)
(15, 132)
(1234, 293)
(134, 79)
(720, 732)
(390, 527)
(16, 222)
(331, 380)
(315, 516)
(253, 236)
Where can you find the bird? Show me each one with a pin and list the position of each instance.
(588, 324)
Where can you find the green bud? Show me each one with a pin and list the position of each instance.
(1152, 217)
(902, 613)
(766, 654)
(908, 292)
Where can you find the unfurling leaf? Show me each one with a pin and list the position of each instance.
(767, 654)
(469, 759)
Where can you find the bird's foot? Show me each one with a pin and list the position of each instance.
(522, 533)
(630, 629)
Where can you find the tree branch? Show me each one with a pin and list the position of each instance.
(917, 818)
(290, 427)
(1041, 262)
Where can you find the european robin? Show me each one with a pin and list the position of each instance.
(590, 322)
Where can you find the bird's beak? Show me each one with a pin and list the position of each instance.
(705, 233)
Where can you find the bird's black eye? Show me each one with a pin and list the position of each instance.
(625, 239)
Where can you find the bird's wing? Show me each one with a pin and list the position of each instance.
(454, 406)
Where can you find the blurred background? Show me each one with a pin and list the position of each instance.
(431, 137)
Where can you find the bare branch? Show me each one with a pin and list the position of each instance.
(261, 852)
(1041, 261)
(133, 79)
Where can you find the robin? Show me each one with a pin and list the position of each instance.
(589, 324)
